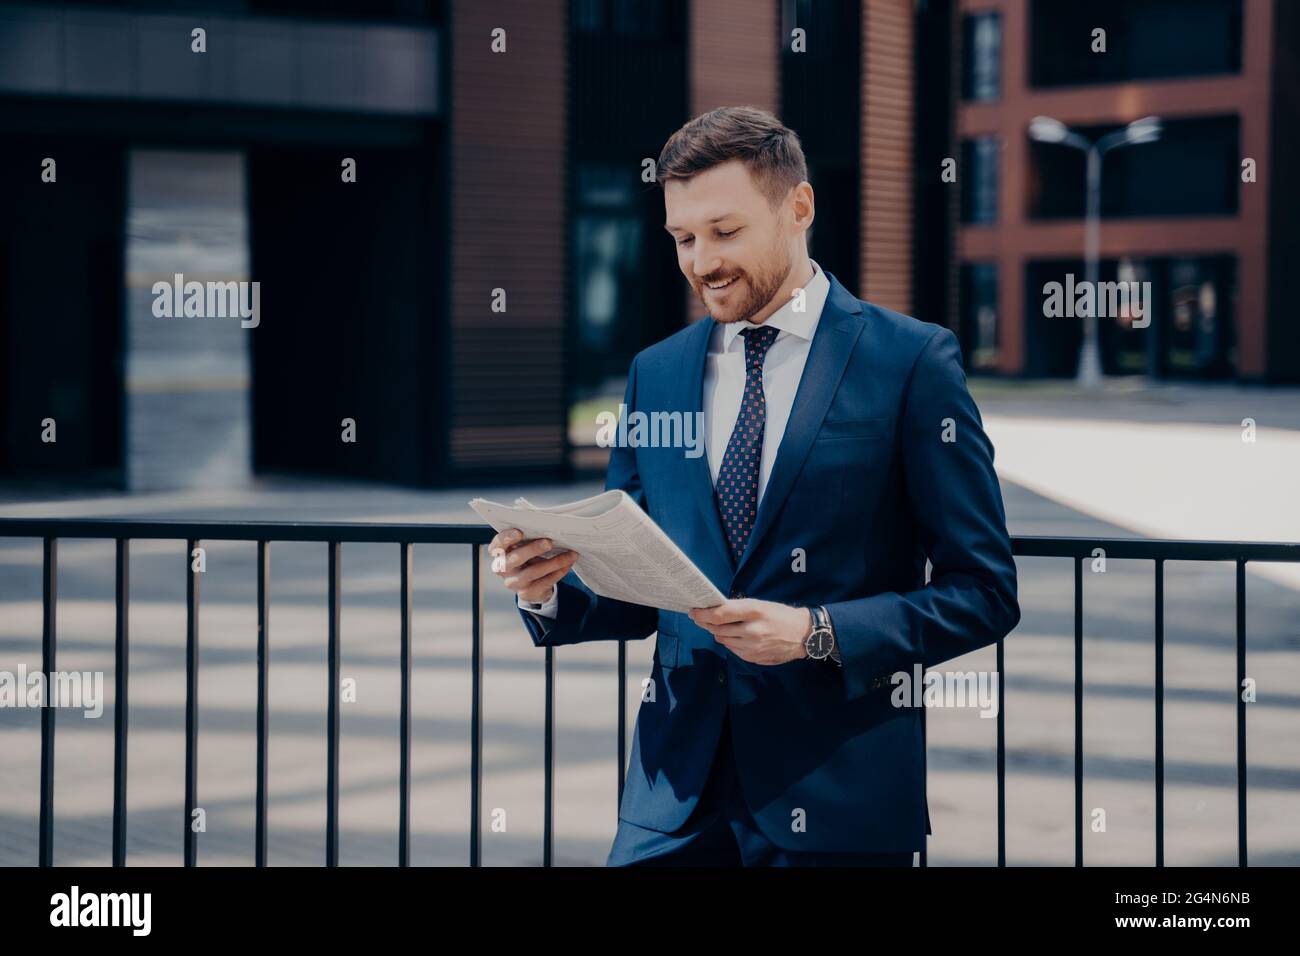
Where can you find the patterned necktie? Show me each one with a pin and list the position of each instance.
(737, 488)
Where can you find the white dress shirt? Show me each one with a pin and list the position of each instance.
(724, 386)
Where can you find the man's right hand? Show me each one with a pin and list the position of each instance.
(517, 561)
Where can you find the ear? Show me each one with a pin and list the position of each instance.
(802, 206)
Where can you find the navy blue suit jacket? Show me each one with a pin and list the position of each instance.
(865, 485)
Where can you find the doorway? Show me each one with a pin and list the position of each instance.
(187, 377)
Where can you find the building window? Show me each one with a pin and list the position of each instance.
(641, 18)
(981, 70)
(821, 97)
(589, 15)
(609, 299)
(824, 23)
(1162, 316)
(979, 315)
(979, 178)
(607, 226)
(1198, 335)
(391, 11)
(1144, 39)
(1192, 170)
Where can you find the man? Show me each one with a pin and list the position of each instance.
(843, 451)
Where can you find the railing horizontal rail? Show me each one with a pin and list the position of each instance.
(1152, 549)
(1029, 546)
(344, 532)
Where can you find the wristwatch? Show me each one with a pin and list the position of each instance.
(820, 642)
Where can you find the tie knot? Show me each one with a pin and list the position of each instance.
(757, 342)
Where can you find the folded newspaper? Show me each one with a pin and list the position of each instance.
(622, 553)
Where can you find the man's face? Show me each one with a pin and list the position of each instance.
(733, 249)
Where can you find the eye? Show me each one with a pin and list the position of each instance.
(728, 235)
(682, 242)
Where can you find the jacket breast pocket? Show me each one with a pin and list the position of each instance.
(845, 468)
(839, 429)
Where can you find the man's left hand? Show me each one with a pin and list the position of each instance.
(761, 632)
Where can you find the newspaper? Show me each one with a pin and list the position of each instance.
(622, 553)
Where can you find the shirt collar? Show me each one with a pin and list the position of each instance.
(801, 324)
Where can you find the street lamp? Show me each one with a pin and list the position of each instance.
(1044, 129)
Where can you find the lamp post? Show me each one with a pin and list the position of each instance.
(1044, 129)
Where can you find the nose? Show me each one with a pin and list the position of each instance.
(706, 261)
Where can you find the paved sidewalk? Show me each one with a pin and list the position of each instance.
(1118, 672)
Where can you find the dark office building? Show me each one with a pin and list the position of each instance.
(1207, 214)
(441, 204)
(444, 209)
(142, 141)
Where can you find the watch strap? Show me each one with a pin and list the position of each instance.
(825, 618)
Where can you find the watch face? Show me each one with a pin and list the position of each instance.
(819, 643)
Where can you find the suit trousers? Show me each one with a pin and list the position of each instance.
(722, 832)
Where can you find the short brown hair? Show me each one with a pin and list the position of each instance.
(769, 150)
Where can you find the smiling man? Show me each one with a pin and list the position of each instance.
(843, 453)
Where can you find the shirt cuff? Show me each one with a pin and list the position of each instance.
(548, 608)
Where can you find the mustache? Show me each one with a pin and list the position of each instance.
(707, 280)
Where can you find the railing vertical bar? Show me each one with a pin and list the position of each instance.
(263, 693)
(1002, 757)
(404, 793)
(121, 664)
(925, 781)
(49, 599)
(548, 764)
(191, 701)
(1241, 712)
(1160, 712)
(332, 718)
(622, 719)
(476, 706)
(1078, 711)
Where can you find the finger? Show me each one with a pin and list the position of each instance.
(546, 580)
(705, 616)
(531, 575)
(561, 554)
(728, 612)
(518, 556)
(503, 540)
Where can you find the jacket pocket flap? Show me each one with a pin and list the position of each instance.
(855, 428)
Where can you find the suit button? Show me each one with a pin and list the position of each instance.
(722, 678)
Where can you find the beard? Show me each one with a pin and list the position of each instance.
(752, 292)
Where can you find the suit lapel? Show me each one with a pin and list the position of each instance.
(837, 332)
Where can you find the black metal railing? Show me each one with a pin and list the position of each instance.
(50, 531)
(1157, 551)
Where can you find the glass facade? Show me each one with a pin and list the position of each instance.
(1192, 170)
(821, 100)
(979, 315)
(607, 255)
(981, 64)
(625, 290)
(647, 18)
(978, 175)
(1143, 40)
(1172, 317)
(1200, 302)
